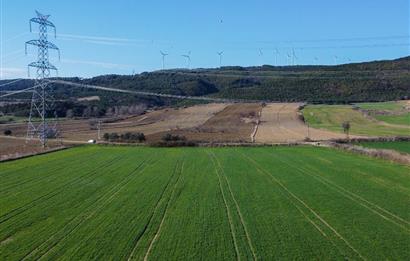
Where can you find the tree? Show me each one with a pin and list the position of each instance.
(346, 128)
(7, 132)
(69, 113)
(106, 136)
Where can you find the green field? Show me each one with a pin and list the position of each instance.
(331, 117)
(386, 106)
(398, 115)
(401, 146)
(126, 203)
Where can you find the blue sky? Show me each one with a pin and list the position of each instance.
(101, 37)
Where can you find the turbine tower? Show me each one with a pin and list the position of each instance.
(276, 56)
(188, 58)
(294, 57)
(289, 59)
(163, 59)
(42, 102)
(220, 57)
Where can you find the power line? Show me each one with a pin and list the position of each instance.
(20, 91)
(144, 93)
(8, 83)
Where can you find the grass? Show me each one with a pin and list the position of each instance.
(401, 119)
(398, 115)
(331, 117)
(401, 146)
(204, 203)
(386, 106)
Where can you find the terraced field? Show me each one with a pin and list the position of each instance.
(128, 203)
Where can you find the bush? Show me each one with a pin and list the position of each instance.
(106, 136)
(169, 137)
(7, 132)
(126, 137)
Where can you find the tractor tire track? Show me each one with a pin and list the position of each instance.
(52, 173)
(81, 219)
(228, 213)
(158, 232)
(323, 221)
(238, 210)
(157, 205)
(355, 198)
(53, 192)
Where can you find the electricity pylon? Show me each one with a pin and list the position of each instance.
(42, 102)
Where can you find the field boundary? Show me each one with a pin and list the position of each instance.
(28, 155)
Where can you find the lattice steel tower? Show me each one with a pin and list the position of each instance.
(42, 123)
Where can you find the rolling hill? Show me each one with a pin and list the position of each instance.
(348, 83)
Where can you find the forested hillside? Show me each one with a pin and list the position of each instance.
(360, 82)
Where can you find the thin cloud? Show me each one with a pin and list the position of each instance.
(12, 72)
(105, 40)
(98, 64)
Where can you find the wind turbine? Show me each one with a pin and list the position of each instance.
(294, 57)
(276, 56)
(220, 57)
(163, 59)
(188, 58)
(335, 59)
(261, 56)
(289, 58)
(316, 60)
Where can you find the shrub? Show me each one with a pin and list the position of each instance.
(106, 136)
(7, 132)
(169, 137)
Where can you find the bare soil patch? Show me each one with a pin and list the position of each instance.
(12, 147)
(280, 123)
(233, 124)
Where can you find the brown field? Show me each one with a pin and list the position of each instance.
(12, 147)
(240, 122)
(280, 123)
(233, 124)
(149, 123)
